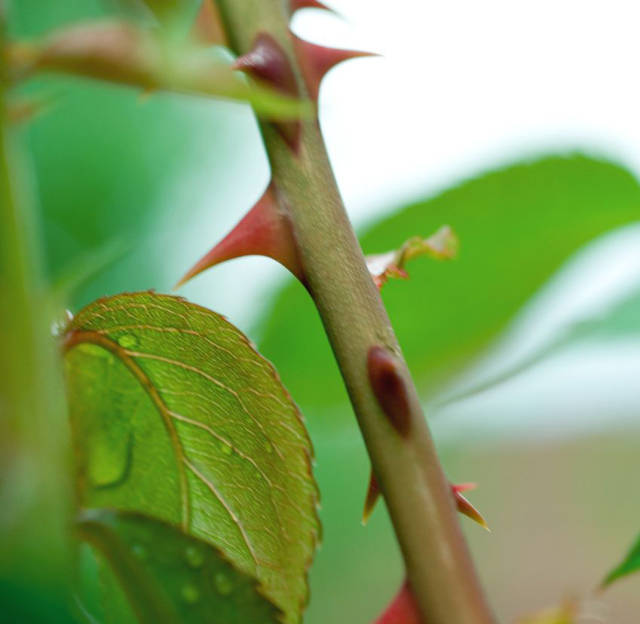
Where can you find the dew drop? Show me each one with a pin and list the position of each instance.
(223, 583)
(127, 341)
(109, 458)
(139, 552)
(194, 556)
(189, 594)
(226, 448)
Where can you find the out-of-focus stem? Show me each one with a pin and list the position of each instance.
(34, 499)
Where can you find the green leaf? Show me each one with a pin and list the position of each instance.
(629, 565)
(177, 417)
(170, 577)
(516, 227)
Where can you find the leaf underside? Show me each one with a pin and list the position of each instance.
(170, 577)
(177, 417)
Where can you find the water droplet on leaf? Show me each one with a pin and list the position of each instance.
(190, 594)
(127, 341)
(109, 458)
(194, 556)
(222, 583)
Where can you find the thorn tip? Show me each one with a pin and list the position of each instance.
(264, 231)
(316, 60)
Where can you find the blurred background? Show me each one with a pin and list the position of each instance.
(526, 348)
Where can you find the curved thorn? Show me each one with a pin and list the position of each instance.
(466, 508)
(316, 60)
(264, 231)
(373, 493)
(296, 5)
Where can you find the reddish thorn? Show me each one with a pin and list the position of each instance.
(267, 61)
(296, 5)
(390, 388)
(316, 60)
(207, 26)
(264, 231)
(373, 494)
(466, 508)
(402, 610)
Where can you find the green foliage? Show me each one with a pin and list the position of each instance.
(516, 227)
(175, 416)
(170, 577)
(629, 565)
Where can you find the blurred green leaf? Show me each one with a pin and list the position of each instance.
(516, 227)
(629, 565)
(171, 577)
(175, 416)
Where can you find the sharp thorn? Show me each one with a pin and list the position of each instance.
(296, 5)
(264, 231)
(373, 494)
(465, 507)
(316, 60)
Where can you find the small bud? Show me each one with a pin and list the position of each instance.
(390, 388)
(264, 231)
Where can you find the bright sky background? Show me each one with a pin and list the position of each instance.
(463, 87)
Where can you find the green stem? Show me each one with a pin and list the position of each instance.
(416, 491)
(33, 428)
